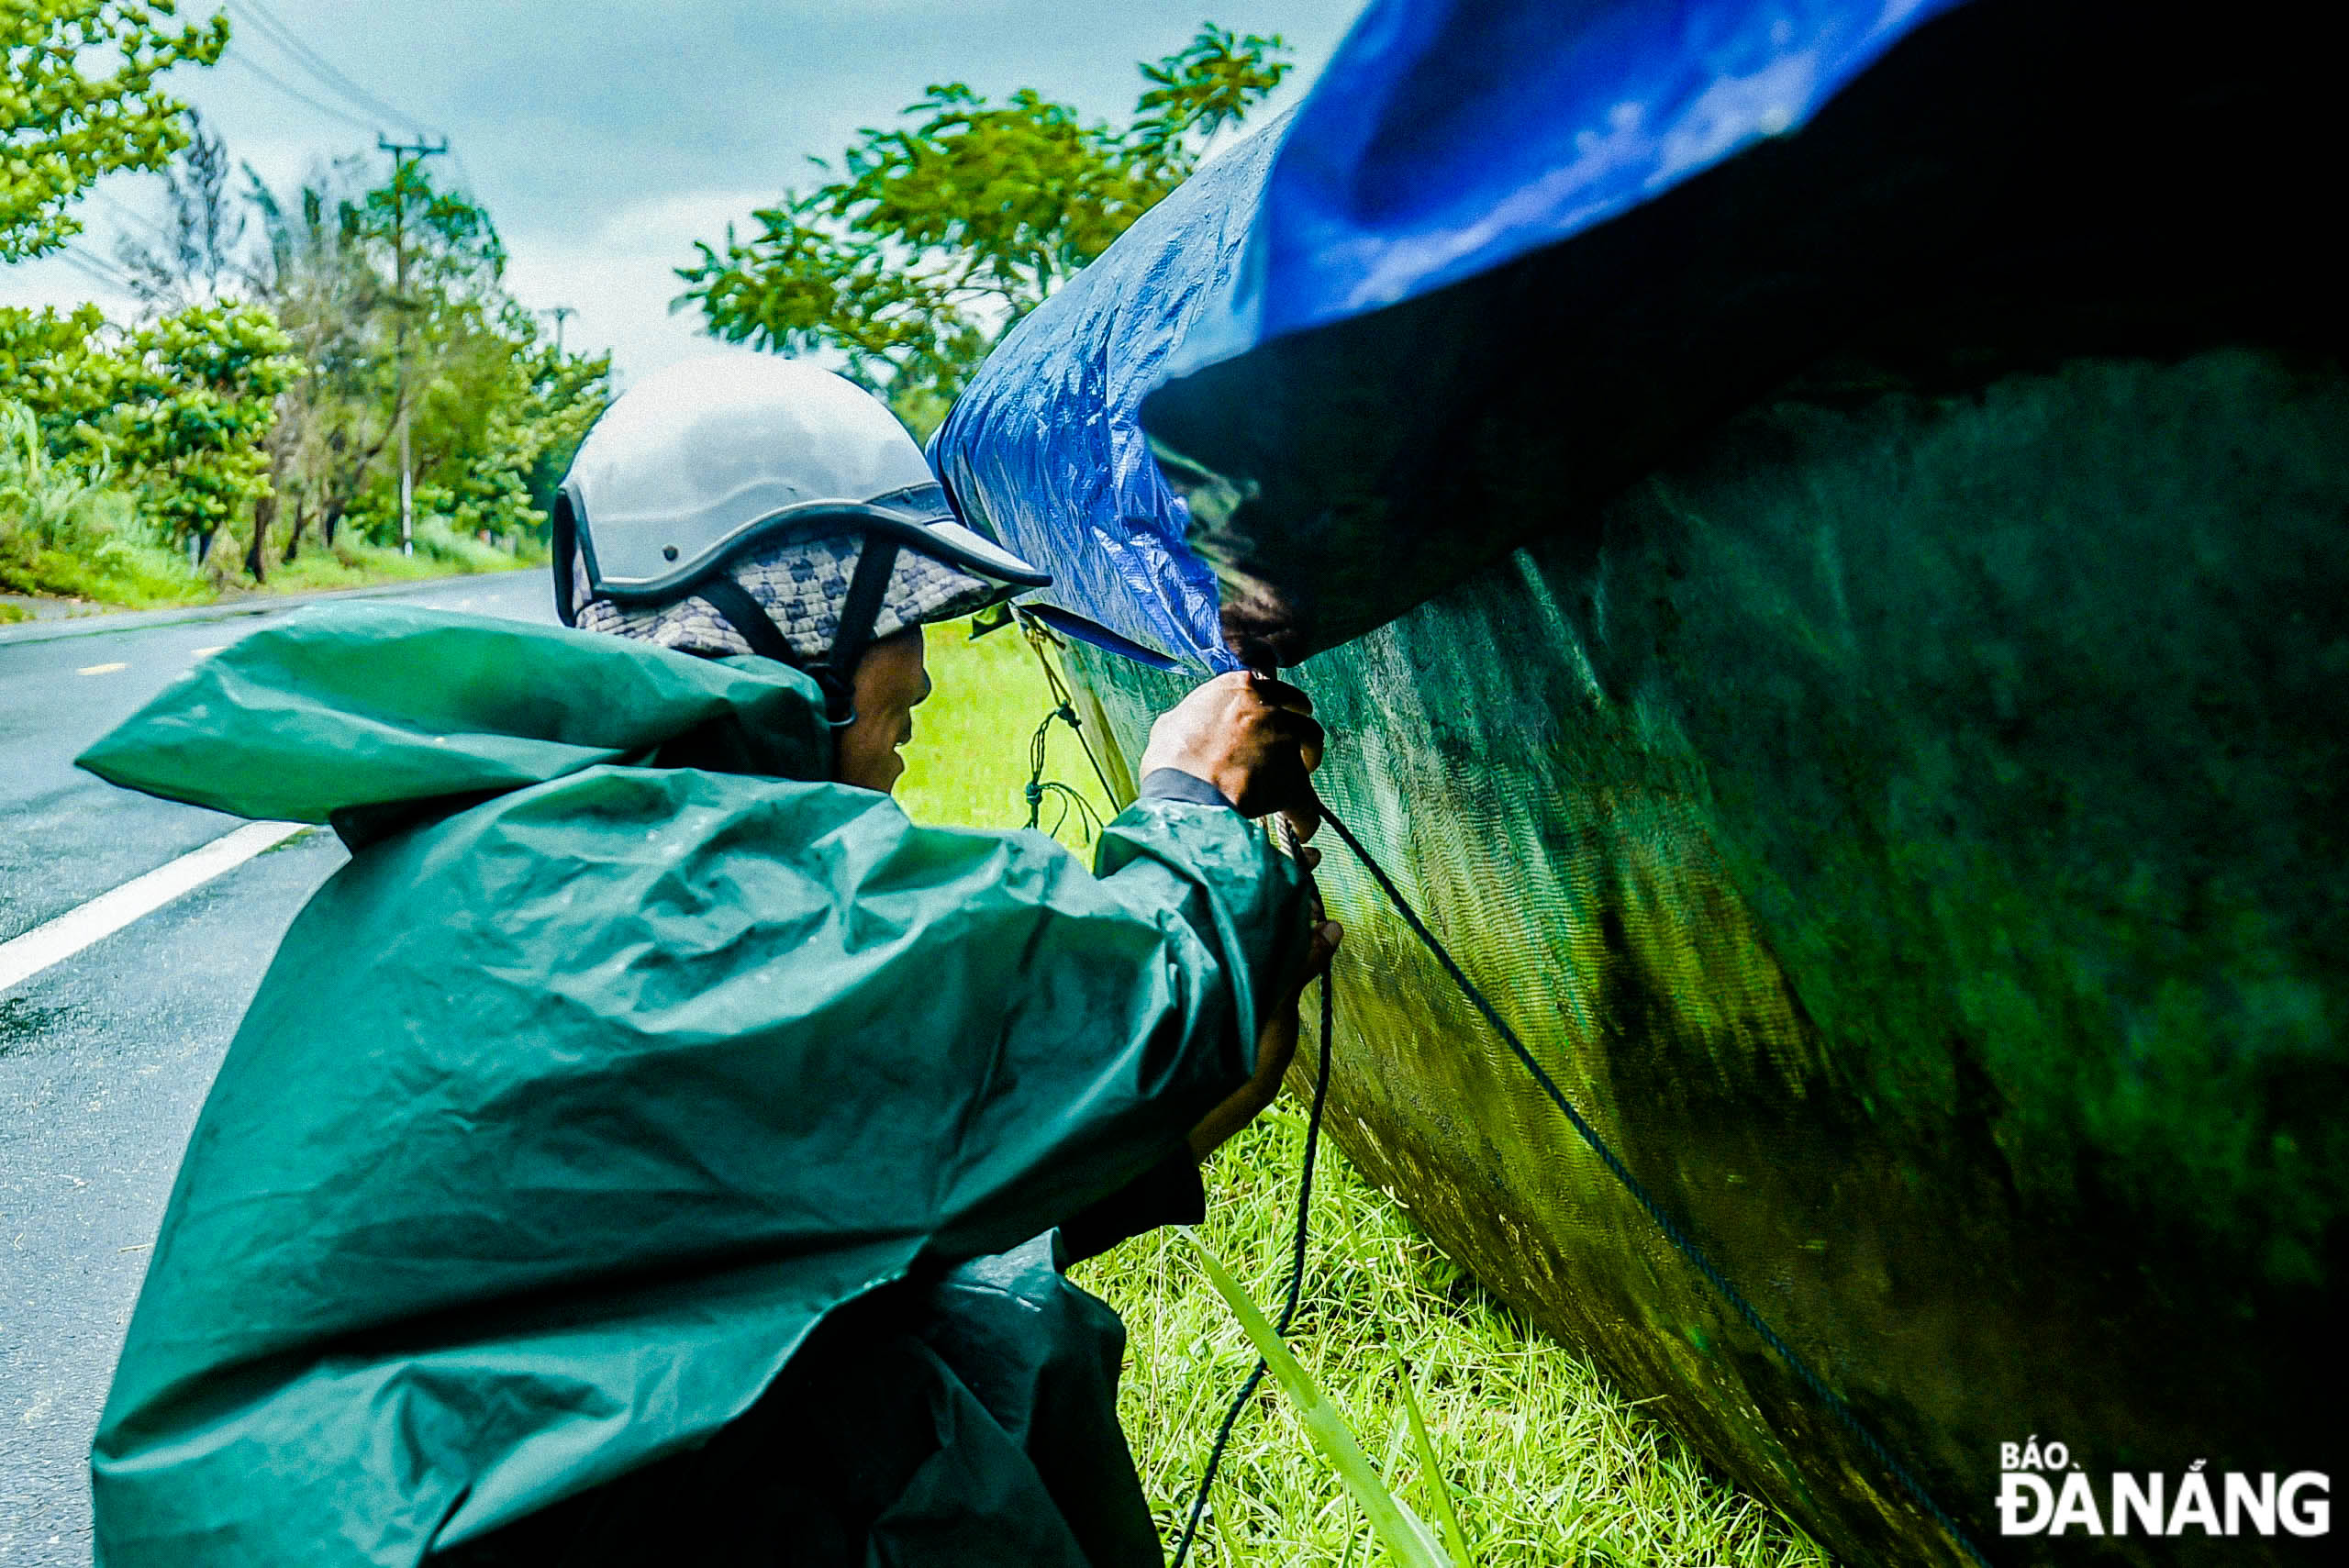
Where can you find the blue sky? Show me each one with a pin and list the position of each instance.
(606, 137)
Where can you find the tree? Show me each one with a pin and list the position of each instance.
(61, 126)
(493, 460)
(492, 404)
(60, 368)
(193, 406)
(182, 407)
(938, 236)
(333, 425)
(198, 262)
(266, 387)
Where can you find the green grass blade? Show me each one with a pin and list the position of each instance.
(1456, 1540)
(1408, 1539)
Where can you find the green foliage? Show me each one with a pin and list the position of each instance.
(62, 531)
(193, 404)
(938, 236)
(256, 418)
(447, 239)
(550, 400)
(42, 501)
(315, 273)
(497, 414)
(495, 411)
(61, 127)
(1408, 1538)
(59, 368)
(181, 407)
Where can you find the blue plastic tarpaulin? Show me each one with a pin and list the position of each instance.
(1446, 138)
(1046, 448)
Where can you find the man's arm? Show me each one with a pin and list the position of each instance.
(1169, 1193)
(1205, 933)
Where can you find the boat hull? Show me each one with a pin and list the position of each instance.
(1909, 824)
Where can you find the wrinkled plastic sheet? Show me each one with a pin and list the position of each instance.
(1046, 451)
(1447, 138)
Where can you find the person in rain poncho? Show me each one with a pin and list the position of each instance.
(651, 1145)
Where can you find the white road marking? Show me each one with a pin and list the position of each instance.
(23, 957)
(101, 669)
(205, 652)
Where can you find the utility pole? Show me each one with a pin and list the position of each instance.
(562, 313)
(405, 156)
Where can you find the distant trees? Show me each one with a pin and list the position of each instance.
(256, 397)
(934, 238)
(495, 409)
(181, 404)
(200, 257)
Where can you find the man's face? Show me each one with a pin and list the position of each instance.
(890, 684)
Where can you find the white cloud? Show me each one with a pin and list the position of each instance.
(621, 280)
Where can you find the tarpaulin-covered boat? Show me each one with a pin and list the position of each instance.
(1823, 531)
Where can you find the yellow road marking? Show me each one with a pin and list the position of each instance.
(101, 669)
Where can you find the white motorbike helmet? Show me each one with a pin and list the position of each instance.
(709, 460)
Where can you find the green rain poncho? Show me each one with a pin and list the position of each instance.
(619, 1056)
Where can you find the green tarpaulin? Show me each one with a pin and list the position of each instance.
(619, 1055)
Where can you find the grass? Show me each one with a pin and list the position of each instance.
(1404, 1534)
(65, 534)
(1547, 1465)
(354, 563)
(968, 762)
(111, 565)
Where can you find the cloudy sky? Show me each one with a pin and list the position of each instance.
(605, 136)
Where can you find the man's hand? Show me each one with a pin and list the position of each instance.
(1252, 738)
(1275, 1047)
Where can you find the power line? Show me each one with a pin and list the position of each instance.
(125, 210)
(83, 267)
(314, 64)
(93, 259)
(294, 92)
(97, 269)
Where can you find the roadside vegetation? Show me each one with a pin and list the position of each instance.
(241, 427)
(1545, 1463)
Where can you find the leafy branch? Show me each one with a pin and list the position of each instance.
(935, 237)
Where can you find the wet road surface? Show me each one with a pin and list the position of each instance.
(104, 1058)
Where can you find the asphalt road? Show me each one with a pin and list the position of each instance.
(105, 1057)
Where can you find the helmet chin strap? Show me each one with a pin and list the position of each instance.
(836, 672)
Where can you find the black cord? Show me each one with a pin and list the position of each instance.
(1038, 786)
(1745, 1310)
(1295, 1278)
(1038, 635)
